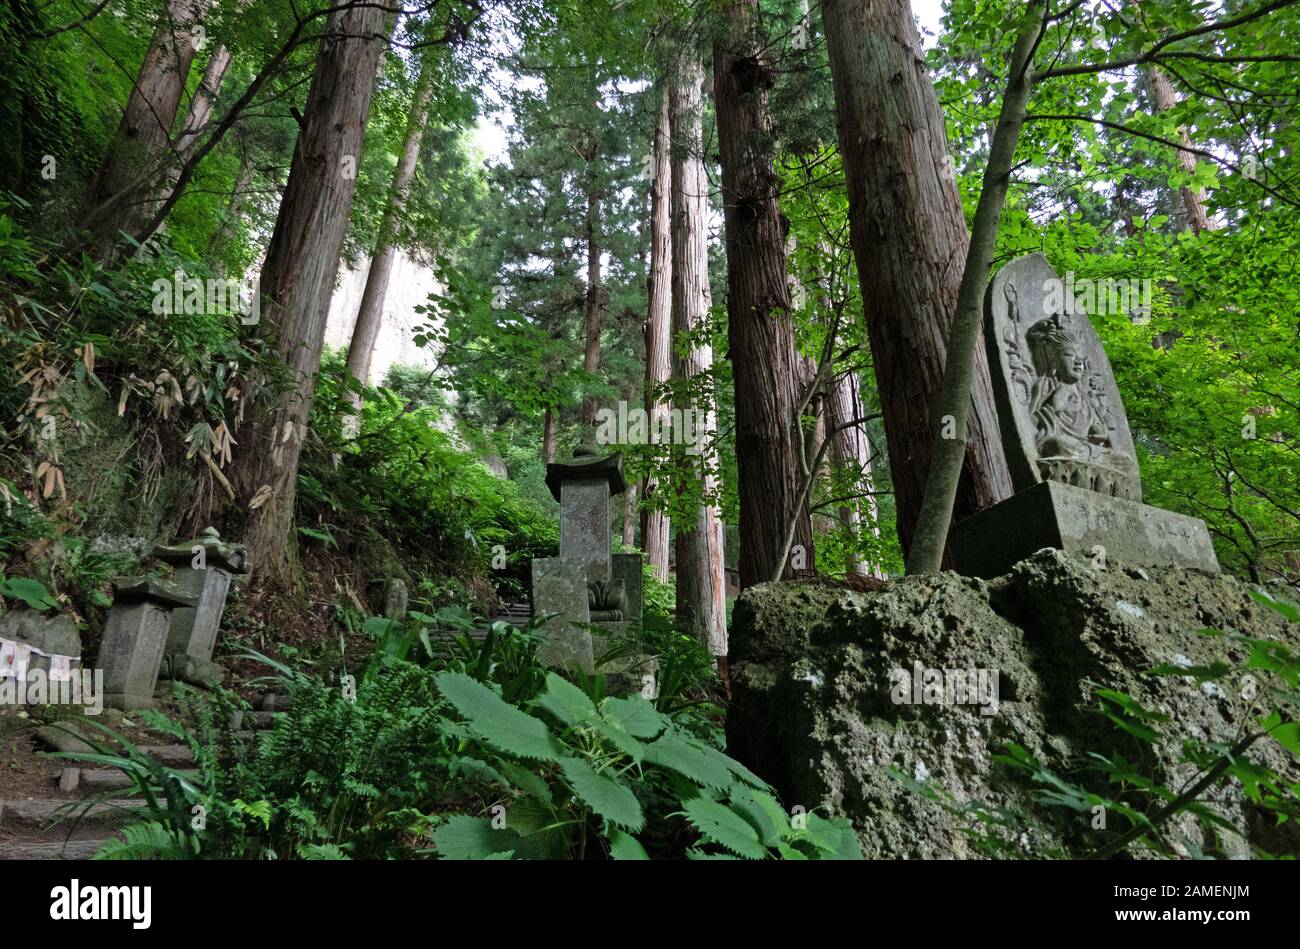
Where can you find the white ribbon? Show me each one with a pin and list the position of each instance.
(15, 657)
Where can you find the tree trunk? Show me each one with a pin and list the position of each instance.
(298, 277)
(851, 453)
(909, 239)
(948, 451)
(118, 196)
(549, 437)
(230, 220)
(205, 97)
(370, 314)
(1190, 199)
(658, 336)
(760, 335)
(200, 110)
(629, 515)
(592, 313)
(813, 420)
(701, 587)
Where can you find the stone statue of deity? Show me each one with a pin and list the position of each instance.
(1068, 407)
(1060, 412)
(1066, 438)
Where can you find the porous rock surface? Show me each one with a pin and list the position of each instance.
(812, 710)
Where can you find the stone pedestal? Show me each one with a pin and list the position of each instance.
(1051, 514)
(627, 570)
(560, 587)
(135, 637)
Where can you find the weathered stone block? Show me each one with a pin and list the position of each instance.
(816, 711)
(560, 587)
(135, 639)
(627, 568)
(1051, 514)
(194, 629)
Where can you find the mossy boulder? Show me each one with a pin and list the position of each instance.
(814, 699)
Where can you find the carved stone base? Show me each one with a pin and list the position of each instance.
(560, 588)
(1073, 519)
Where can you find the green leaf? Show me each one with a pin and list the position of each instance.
(1215, 670)
(322, 852)
(471, 838)
(605, 796)
(673, 751)
(566, 701)
(834, 837)
(1279, 606)
(498, 723)
(620, 739)
(1288, 736)
(623, 846)
(635, 716)
(763, 811)
(527, 781)
(722, 826)
(324, 536)
(31, 592)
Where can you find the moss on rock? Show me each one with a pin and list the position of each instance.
(813, 711)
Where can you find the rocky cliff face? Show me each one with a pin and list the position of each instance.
(822, 707)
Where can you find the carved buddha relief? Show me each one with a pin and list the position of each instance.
(1058, 407)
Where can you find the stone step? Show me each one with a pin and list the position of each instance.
(173, 756)
(258, 719)
(96, 780)
(40, 814)
(20, 848)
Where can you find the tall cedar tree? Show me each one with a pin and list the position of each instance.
(701, 590)
(760, 333)
(298, 277)
(909, 238)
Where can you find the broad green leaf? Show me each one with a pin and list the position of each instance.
(670, 750)
(31, 592)
(500, 724)
(605, 796)
(471, 838)
(620, 739)
(623, 846)
(527, 781)
(635, 716)
(721, 825)
(566, 701)
(1288, 736)
(763, 811)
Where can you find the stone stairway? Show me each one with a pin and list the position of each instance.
(516, 614)
(47, 828)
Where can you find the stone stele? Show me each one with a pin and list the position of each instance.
(586, 585)
(1067, 442)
